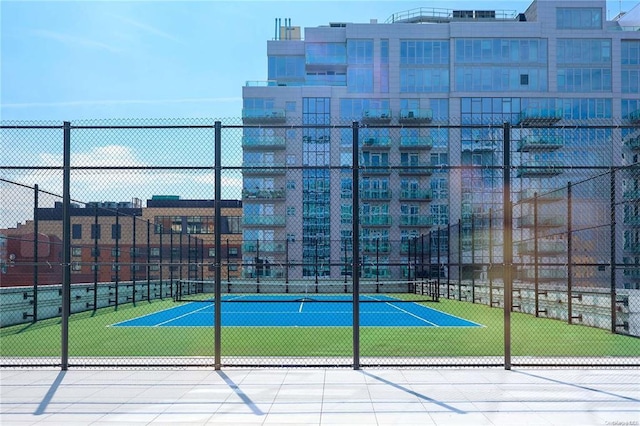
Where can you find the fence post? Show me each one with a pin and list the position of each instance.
(218, 245)
(473, 258)
(35, 254)
(148, 260)
(508, 244)
(355, 273)
(613, 250)
(569, 260)
(459, 259)
(536, 282)
(66, 246)
(489, 269)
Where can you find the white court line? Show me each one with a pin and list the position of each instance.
(413, 315)
(301, 305)
(180, 316)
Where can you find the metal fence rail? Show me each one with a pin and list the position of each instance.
(193, 242)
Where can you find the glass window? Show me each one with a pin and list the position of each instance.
(360, 51)
(76, 231)
(116, 231)
(571, 18)
(326, 53)
(95, 231)
(76, 251)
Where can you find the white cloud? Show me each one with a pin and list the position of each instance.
(73, 40)
(99, 102)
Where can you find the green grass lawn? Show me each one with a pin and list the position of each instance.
(90, 334)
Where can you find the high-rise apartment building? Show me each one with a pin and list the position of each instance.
(558, 63)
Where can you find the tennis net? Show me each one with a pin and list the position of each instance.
(307, 290)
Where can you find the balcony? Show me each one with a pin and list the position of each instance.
(529, 274)
(418, 168)
(263, 194)
(418, 221)
(540, 169)
(633, 143)
(263, 247)
(264, 169)
(263, 142)
(376, 115)
(632, 194)
(373, 272)
(634, 117)
(415, 115)
(543, 221)
(540, 116)
(543, 195)
(632, 247)
(376, 220)
(379, 142)
(480, 146)
(372, 247)
(375, 194)
(545, 248)
(376, 169)
(632, 220)
(539, 143)
(264, 115)
(416, 194)
(263, 220)
(416, 142)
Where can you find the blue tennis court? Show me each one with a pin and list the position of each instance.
(300, 311)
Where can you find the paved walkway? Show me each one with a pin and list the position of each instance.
(320, 397)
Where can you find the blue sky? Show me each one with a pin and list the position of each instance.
(115, 59)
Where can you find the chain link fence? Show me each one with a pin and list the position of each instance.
(255, 243)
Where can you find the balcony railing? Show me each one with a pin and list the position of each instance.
(480, 146)
(540, 116)
(632, 194)
(539, 143)
(263, 168)
(415, 115)
(632, 220)
(263, 220)
(378, 115)
(543, 195)
(264, 194)
(633, 143)
(543, 221)
(372, 247)
(416, 220)
(263, 115)
(544, 247)
(263, 247)
(540, 169)
(632, 247)
(376, 169)
(416, 194)
(260, 142)
(529, 274)
(375, 194)
(415, 169)
(416, 142)
(375, 142)
(376, 220)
